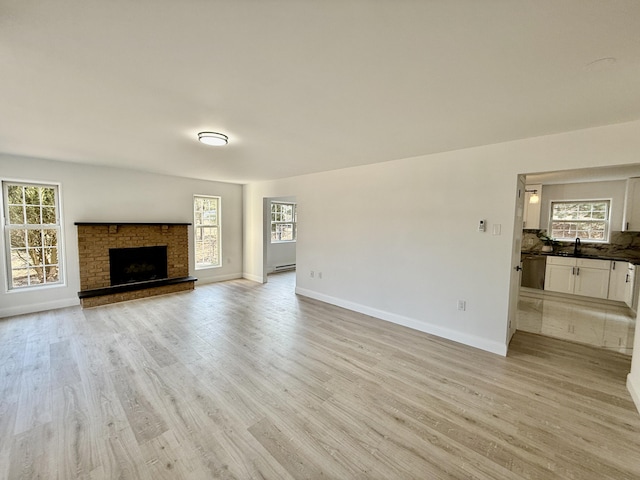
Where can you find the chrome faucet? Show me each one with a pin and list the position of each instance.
(577, 247)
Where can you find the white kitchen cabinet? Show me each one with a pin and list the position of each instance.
(630, 284)
(559, 275)
(631, 221)
(579, 276)
(618, 276)
(531, 214)
(592, 278)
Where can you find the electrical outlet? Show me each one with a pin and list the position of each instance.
(312, 274)
(462, 305)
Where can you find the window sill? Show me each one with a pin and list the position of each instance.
(34, 288)
(208, 267)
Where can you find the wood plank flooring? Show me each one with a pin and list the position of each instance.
(239, 380)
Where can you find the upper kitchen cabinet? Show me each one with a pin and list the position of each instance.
(631, 220)
(532, 201)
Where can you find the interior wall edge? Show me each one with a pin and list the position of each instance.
(634, 391)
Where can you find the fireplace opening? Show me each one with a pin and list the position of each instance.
(140, 264)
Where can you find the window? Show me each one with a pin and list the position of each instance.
(206, 220)
(283, 222)
(587, 219)
(32, 234)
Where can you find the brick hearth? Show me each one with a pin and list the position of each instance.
(94, 242)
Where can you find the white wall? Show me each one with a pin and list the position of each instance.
(94, 194)
(399, 240)
(281, 254)
(614, 190)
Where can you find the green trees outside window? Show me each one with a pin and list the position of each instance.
(206, 221)
(32, 229)
(588, 220)
(284, 218)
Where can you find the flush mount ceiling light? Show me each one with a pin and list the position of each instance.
(213, 138)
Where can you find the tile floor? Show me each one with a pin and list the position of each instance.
(607, 326)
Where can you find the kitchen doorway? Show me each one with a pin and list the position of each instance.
(604, 322)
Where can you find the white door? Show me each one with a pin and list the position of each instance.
(516, 268)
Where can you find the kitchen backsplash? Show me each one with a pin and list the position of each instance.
(622, 245)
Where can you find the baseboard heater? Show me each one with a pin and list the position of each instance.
(284, 268)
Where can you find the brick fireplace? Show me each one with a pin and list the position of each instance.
(100, 243)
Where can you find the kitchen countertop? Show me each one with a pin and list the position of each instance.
(635, 261)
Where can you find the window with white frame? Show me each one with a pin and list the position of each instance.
(32, 234)
(587, 219)
(206, 221)
(283, 222)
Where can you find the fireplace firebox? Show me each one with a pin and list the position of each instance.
(137, 264)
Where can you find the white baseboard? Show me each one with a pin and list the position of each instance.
(39, 307)
(253, 278)
(460, 337)
(634, 391)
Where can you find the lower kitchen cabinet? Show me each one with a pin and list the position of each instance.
(559, 275)
(592, 278)
(618, 281)
(622, 282)
(579, 276)
(630, 286)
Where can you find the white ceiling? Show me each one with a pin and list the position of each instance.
(302, 86)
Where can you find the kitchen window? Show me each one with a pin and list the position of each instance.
(283, 222)
(32, 234)
(587, 220)
(206, 232)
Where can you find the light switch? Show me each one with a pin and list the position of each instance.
(497, 228)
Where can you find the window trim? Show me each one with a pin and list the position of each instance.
(218, 226)
(5, 242)
(294, 221)
(607, 221)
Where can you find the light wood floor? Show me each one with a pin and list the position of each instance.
(247, 381)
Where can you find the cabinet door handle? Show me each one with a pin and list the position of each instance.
(626, 280)
(613, 265)
(573, 270)
(578, 271)
(627, 226)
